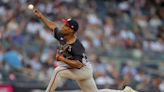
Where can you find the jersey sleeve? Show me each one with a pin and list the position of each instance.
(57, 35)
(78, 52)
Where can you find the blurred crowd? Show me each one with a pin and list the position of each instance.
(27, 47)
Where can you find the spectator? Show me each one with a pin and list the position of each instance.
(161, 86)
(99, 72)
(12, 59)
(128, 69)
(1, 55)
(35, 63)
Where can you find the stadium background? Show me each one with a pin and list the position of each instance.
(124, 40)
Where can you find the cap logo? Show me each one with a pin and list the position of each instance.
(61, 38)
(72, 26)
(68, 19)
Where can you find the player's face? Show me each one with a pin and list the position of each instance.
(66, 30)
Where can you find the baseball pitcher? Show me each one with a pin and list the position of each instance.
(71, 55)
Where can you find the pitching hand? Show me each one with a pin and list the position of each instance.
(37, 13)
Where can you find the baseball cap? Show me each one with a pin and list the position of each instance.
(71, 24)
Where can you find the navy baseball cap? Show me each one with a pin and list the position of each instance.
(71, 24)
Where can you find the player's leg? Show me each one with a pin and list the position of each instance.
(89, 85)
(110, 90)
(55, 80)
(61, 73)
(126, 89)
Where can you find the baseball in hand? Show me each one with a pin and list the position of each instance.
(30, 7)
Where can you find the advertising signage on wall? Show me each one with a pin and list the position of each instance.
(6, 88)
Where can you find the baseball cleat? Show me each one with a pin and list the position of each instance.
(129, 89)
